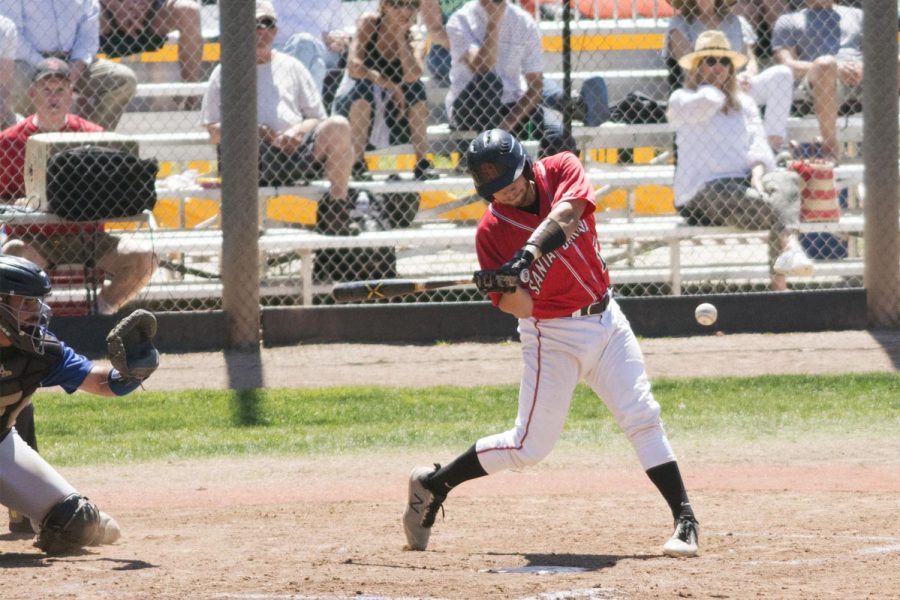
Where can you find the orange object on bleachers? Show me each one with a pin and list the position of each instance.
(818, 194)
(605, 9)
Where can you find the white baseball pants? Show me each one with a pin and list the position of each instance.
(28, 484)
(602, 351)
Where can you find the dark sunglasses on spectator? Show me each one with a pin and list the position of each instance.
(265, 23)
(414, 4)
(712, 61)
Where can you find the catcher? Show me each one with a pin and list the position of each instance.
(32, 357)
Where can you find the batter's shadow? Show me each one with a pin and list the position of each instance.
(588, 562)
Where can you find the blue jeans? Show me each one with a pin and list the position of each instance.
(313, 54)
(438, 62)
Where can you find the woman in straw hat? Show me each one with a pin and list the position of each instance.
(724, 174)
(772, 88)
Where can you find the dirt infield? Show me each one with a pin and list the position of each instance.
(465, 364)
(795, 518)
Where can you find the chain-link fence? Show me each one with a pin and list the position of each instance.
(723, 139)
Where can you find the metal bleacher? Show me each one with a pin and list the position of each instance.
(441, 236)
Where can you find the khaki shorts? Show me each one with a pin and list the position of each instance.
(846, 94)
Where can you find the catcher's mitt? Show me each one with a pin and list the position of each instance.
(130, 346)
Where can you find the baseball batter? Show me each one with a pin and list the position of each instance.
(540, 258)
(32, 357)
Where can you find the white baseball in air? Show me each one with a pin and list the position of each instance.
(706, 314)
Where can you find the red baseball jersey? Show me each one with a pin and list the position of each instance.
(12, 152)
(567, 279)
(13, 142)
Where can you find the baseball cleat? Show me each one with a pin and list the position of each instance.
(109, 530)
(19, 523)
(683, 543)
(421, 509)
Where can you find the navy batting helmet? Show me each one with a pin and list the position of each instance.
(495, 159)
(23, 314)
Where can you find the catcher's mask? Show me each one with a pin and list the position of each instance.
(495, 159)
(23, 314)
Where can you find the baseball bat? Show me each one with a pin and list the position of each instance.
(376, 289)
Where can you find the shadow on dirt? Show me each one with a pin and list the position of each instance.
(889, 339)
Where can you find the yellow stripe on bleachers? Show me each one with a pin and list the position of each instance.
(623, 41)
(580, 43)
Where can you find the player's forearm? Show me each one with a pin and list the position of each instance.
(97, 382)
(553, 232)
(518, 303)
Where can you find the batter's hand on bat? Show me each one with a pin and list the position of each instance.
(492, 280)
(518, 264)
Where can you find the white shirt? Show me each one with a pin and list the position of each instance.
(286, 94)
(518, 52)
(713, 144)
(8, 39)
(70, 26)
(314, 17)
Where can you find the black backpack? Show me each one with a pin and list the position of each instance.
(94, 183)
(638, 107)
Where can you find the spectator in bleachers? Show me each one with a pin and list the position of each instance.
(313, 33)
(297, 139)
(772, 88)
(496, 74)
(822, 45)
(128, 266)
(724, 172)
(761, 15)
(9, 40)
(435, 14)
(129, 27)
(69, 30)
(383, 86)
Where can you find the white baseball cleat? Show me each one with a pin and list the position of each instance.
(683, 543)
(109, 530)
(421, 509)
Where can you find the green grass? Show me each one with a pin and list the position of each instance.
(83, 429)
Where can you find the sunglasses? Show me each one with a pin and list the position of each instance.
(413, 4)
(711, 61)
(265, 23)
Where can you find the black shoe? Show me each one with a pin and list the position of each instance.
(361, 171)
(425, 170)
(22, 526)
(333, 217)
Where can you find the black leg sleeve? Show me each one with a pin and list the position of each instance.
(465, 467)
(667, 479)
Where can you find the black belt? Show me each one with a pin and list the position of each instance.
(594, 309)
